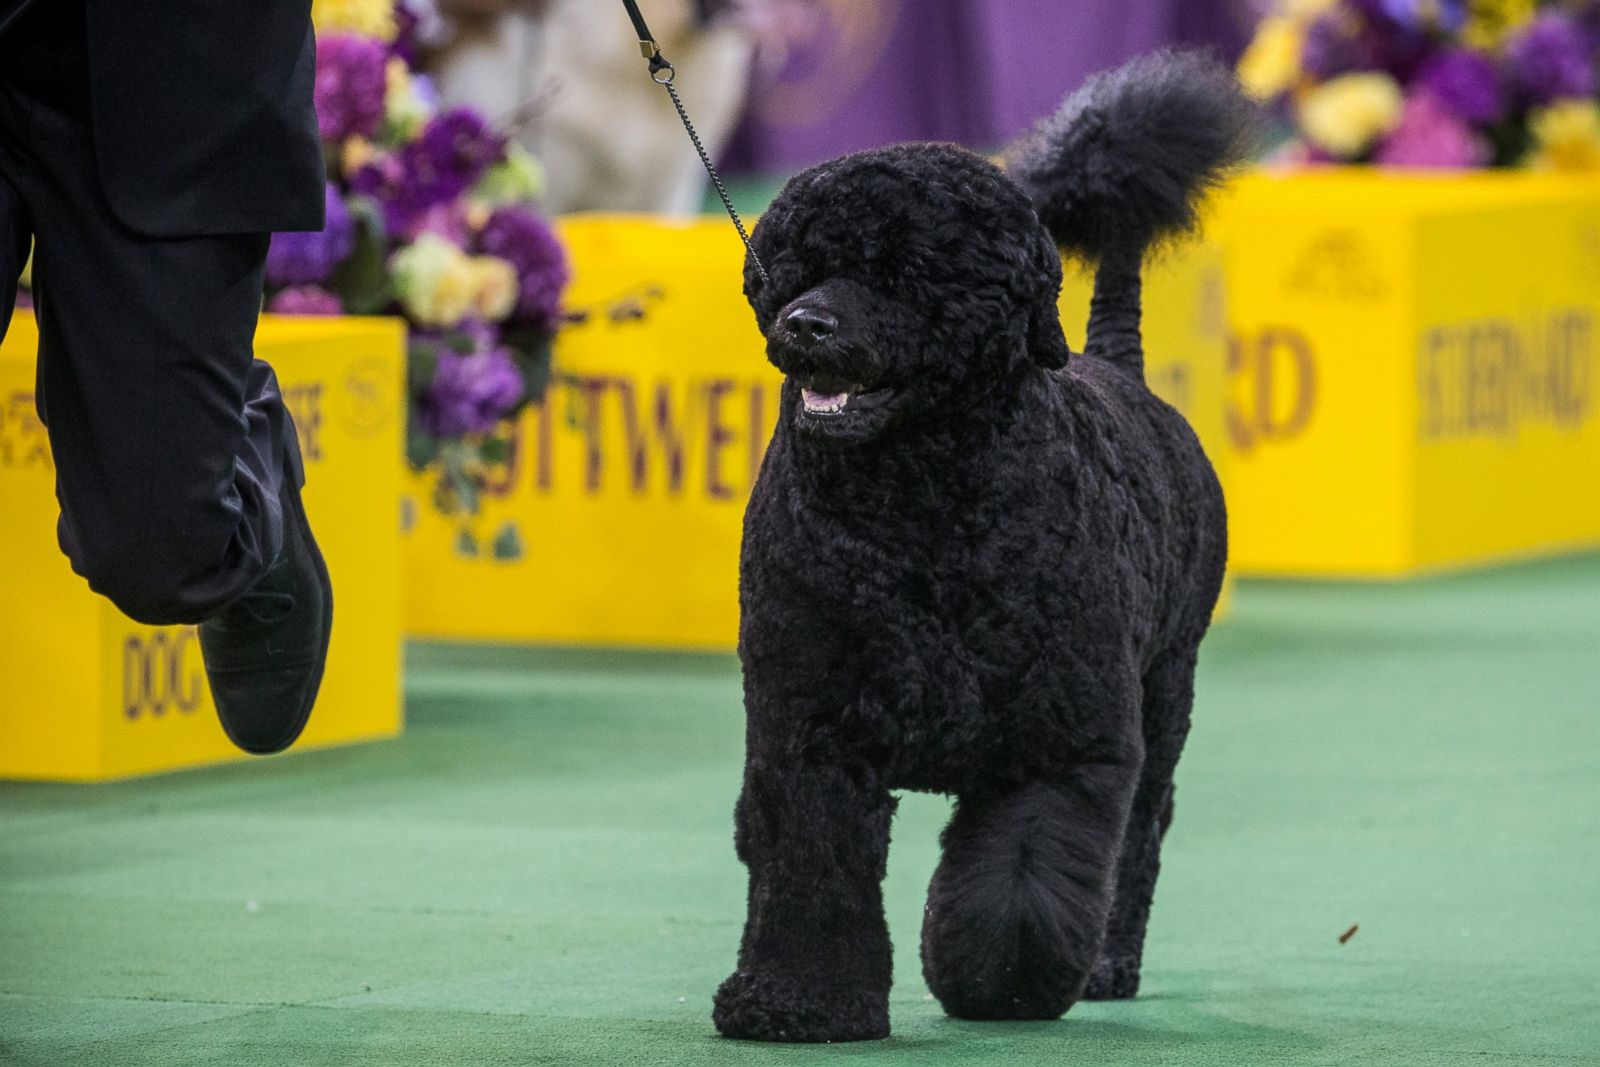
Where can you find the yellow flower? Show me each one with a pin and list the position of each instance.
(1272, 62)
(1345, 115)
(1490, 21)
(477, 214)
(1305, 10)
(452, 298)
(369, 18)
(355, 153)
(497, 290)
(403, 110)
(1566, 136)
(397, 77)
(435, 281)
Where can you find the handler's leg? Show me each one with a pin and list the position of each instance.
(15, 229)
(14, 237)
(177, 469)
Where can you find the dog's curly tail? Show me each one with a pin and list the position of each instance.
(1124, 165)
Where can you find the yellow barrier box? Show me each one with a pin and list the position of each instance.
(617, 519)
(1412, 370)
(86, 694)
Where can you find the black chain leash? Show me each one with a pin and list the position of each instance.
(662, 74)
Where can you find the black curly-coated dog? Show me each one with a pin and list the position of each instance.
(973, 563)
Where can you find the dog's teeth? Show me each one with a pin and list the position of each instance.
(824, 404)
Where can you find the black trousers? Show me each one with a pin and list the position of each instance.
(171, 441)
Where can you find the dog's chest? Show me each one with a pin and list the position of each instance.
(905, 631)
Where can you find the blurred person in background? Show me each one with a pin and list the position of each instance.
(775, 86)
(567, 74)
(851, 75)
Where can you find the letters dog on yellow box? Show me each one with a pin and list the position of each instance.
(1412, 370)
(85, 693)
(616, 518)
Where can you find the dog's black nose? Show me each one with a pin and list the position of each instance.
(811, 326)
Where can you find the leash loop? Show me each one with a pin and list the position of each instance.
(663, 74)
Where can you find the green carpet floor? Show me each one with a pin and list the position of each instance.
(541, 870)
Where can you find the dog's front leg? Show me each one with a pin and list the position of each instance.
(814, 964)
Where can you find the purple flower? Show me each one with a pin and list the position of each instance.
(305, 300)
(406, 25)
(452, 153)
(483, 336)
(1333, 46)
(350, 86)
(1359, 35)
(426, 92)
(1551, 59)
(527, 242)
(297, 258)
(1418, 14)
(1465, 82)
(469, 394)
(1431, 135)
(1589, 20)
(405, 201)
(420, 28)
(384, 179)
(447, 220)
(1400, 52)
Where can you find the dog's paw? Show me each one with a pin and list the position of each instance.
(767, 1007)
(1113, 980)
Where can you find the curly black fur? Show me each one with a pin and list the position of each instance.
(984, 572)
(1128, 158)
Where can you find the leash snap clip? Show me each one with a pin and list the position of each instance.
(662, 73)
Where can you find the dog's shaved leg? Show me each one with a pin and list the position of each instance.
(1018, 905)
(814, 964)
(1168, 698)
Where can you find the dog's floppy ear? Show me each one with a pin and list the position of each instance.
(1046, 343)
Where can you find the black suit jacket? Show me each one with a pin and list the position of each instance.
(202, 113)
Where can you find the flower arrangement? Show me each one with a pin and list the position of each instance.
(431, 215)
(1434, 83)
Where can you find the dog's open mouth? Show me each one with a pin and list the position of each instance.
(835, 408)
(827, 396)
(824, 396)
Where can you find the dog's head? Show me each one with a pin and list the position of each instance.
(906, 284)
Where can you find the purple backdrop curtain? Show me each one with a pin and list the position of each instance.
(974, 71)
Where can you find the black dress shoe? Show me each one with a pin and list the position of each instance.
(265, 652)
